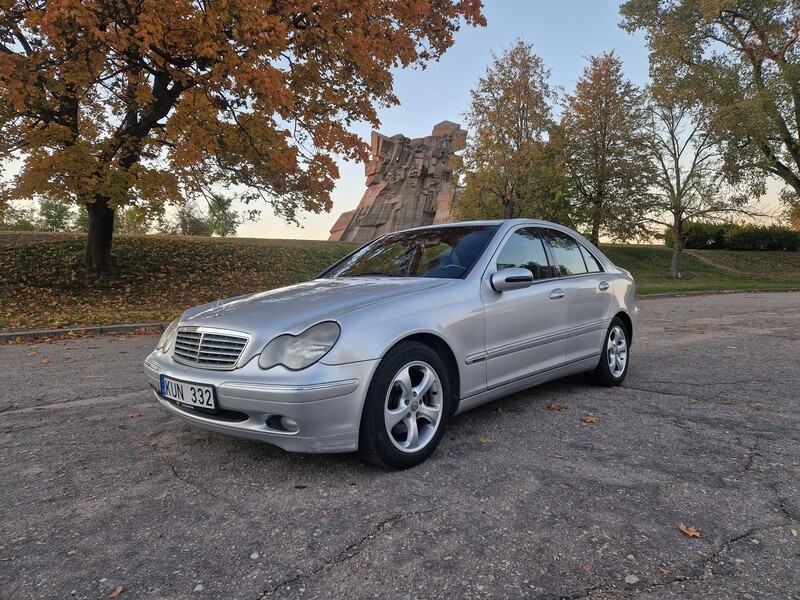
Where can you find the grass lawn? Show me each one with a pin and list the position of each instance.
(706, 270)
(42, 283)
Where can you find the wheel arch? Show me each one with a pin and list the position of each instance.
(626, 320)
(441, 348)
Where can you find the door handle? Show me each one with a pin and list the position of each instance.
(557, 294)
(603, 286)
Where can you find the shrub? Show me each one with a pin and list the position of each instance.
(752, 237)
(702, 235)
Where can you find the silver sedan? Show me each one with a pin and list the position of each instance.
(378, 352)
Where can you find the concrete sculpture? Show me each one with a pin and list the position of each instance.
(408, 184)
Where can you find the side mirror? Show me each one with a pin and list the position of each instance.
(505, 280)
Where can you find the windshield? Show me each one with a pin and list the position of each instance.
(446, 252)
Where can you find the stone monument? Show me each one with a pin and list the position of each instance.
(408, 184)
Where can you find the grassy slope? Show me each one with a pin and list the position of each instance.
(706, 270)
(42, 283)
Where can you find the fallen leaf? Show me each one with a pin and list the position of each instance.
(557, 407)
(587, 568)
(484, 440)
(32, 353)
(589, 419)
(691, 531)
(135, 415)
(732, 347)
(702, 491)
(46, 361)
(794, 532)
(116, 592)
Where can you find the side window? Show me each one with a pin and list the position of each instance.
(567, 254)
(524, 249)
(592, 263)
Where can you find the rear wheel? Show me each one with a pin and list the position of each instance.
(407, 407)
(613, 365)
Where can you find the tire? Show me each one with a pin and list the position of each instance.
(613, 365)
(407, 407)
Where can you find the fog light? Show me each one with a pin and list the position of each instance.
(289, 425)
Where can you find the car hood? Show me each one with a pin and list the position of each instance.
(293, 309)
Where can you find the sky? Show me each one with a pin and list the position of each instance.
(563, 33)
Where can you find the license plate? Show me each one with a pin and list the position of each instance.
(191, 394)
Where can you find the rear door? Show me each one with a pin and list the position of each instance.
(525, 328)
(588, 293)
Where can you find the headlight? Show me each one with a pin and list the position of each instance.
(165, 343)
(297, 352)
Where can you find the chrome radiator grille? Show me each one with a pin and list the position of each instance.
(209, 350)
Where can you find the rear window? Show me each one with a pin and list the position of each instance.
(567, 253)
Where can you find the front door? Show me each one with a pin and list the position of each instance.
(525, 328)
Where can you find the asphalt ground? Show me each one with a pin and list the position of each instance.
(103, 493)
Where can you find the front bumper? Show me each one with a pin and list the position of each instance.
(326, 406)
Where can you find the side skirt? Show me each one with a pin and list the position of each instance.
(580, 366)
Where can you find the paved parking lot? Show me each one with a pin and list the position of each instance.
(102, 491)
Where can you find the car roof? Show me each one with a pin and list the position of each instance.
(489, 223)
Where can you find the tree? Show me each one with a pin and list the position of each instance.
(116, 102)
(740, 60)
(54, 215)
(604, 128)
(18, 219)
(508, 168)
(190, 222)
(793, 216)
(687, 161)
(131, 219)
(222, 219)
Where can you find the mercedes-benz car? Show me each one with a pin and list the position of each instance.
(381, 349)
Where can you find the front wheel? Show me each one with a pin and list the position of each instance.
(613, 365)
(406, 409)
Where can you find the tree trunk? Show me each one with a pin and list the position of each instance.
(97, 258)
(508, 200)
(677, 249)
(597, 217)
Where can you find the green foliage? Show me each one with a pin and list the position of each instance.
(190, 222)
(792, 215)
(81, 222)
(510, 167)
(607, 164)
(222, 219)
(111, 104)
(54, 215)
(740, 59)
(19, 219)
(705, 235)
(131, 219)
(751, 237)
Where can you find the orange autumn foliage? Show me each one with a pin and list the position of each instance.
(115, 102)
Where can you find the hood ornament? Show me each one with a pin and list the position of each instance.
(216, 306)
